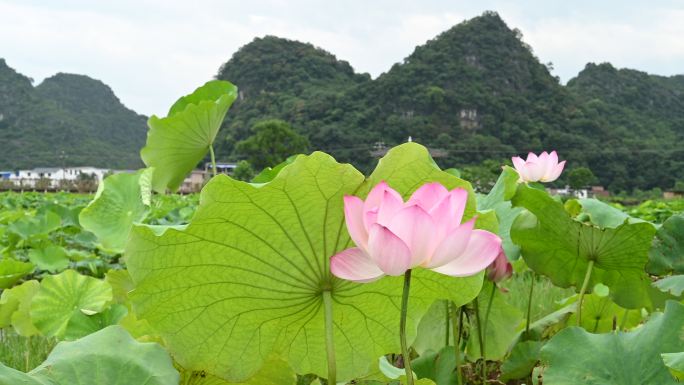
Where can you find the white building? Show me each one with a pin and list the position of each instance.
(221, 168)
(54, 175)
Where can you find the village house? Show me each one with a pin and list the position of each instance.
(592, 192)
(194, 182)
(673, 194)
(197, 178)
(51, 177)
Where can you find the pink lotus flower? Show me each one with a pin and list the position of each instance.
(542, 168)
(392, 236)
(500, 269)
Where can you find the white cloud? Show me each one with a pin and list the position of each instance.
(651, 43)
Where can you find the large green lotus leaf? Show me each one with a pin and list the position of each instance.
(121, 200)
(432, 329)
(61, 295)
(604, 215)
(9, 376)
(21, 317)
(599, 313)
(52, 258)
(268, 173)
(523, 358)
(506, 214)
(249, 273)
(67, 214)
(486, 220)
(439, 367)
(78, 255)
(41, 224)
(176, 143)
(121, 283)
(551, 323)
(9, 302)
(555, 245)
(673, 285)
(503, 190)
(675, 362)
(498, 200)
(14, 307)
(81, 324)
(667, 253)
(503, 325)
(575, 356)
(275, 371)
(11, 271)
(108, 357)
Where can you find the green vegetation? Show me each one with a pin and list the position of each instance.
(137, 285)
(270, 143)
(549, 312)
(179, 141)
(656, 210)
(580, 177)
(476, 90)
(67, 120)
(634, 123)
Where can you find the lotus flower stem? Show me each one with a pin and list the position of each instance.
(27, 354)
(456, 316)
(582, 291)
(529, 306)
(329, 333)
(213, 159)
(402, 328)
(483, 369)
(484, 327)
(457, 324)
(624, 320)
(448, 317)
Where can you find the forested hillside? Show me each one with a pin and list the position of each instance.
(68, 120)
(476, 90)
(632, 125)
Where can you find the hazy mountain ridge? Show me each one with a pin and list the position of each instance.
(67, 120)
(476, 90)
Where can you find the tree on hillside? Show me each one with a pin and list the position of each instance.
(243, 171)
(271, 142)
(580, 177)
(678, 186)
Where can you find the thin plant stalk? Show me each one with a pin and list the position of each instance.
(213, 159)
(329, 341)
(448, 317)
(483, 369)
(402, 328)
(484, 328)
(529, 306)
(624, 320)
(27, 354)
(455, 314)
(587, 276)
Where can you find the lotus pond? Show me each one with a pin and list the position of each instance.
(315, 273)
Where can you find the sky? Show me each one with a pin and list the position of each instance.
(151, 52)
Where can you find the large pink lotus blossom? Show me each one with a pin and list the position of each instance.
(392, 236)
(542, 168)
